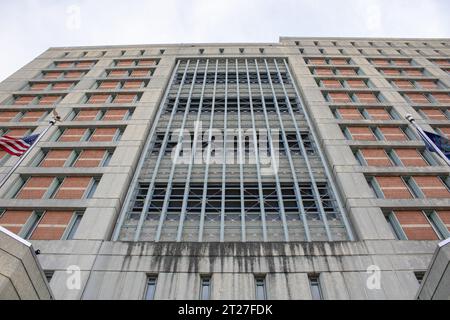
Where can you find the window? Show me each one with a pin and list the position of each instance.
(74, 225)
(205, 288)
(314, 285)
(261, 293)
(151, 288)
(92, 188)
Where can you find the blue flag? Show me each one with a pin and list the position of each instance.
(441, 142)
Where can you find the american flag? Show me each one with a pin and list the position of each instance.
(17, 146)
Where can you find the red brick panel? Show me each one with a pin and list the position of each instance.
(98, 98)
(23, 100)
(103, 134)
(17, 133)
(361, 133)
(445, 131)
(379, 114)
(391, 72)
(331, 84)
(114, 114)
(432, 187)
(393, 134)
(109, 84)
(73, 188)
(52, 225)
(401, 62)
(118, 73)
(317, 61)
(146, 62)
(350, 114)
(72, 134)
(356, 84)
(347, 71)
(62, 85)
(6, 116)
(131, 84)
(442, 97)
(411, 157)
(445, 218)
(125, 63)
(52, 75)
(434, 114)
(376, 157)
(38, 86)
(35, 188)
(366, 97)
(63, 64)
(413, 72)
(427, 84)
(403, 84)
(415, 225)
(140, 73)
(32, 116)
(14, 220)
(394, 188)
(442, 62)
(55, 158)
(417, 98)
(84, 64)
(324, 71)
(90, 158)
(86, 115)
(381, 62)
(339, 97)
(338, 61)
(124, 98)
(49, 99)
(73, 74)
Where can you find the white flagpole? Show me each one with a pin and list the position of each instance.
(11, 171)
(438, 151)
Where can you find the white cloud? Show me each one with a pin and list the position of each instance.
(29, 27)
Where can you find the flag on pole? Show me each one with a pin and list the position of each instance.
(17, 146)
(442, 143)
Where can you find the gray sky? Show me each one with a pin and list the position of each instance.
(29, 27)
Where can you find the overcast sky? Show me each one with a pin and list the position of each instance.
(29, 27)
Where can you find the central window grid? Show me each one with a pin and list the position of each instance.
(208, 201)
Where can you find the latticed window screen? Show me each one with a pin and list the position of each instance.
(214, 105)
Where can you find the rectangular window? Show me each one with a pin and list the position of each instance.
(205, 288)
(378, 114)
(86, 115)
(441, 97)
(33, 116)
(74, 225)
(51, 226)
(356, 83)
(366, 97)
(14, 220)
(151, 288)
(314, 285)
(261, 293)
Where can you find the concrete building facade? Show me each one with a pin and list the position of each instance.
(130, 195)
